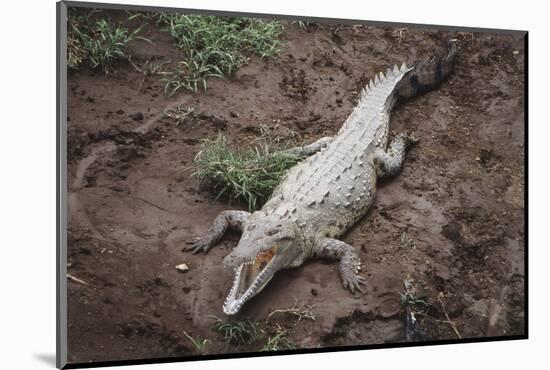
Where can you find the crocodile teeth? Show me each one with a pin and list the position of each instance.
(395, 69)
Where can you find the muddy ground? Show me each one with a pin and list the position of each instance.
(452, 221)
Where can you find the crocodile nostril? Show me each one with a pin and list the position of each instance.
(272, 232)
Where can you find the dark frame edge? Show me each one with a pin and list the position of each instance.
(61, 193)
(526, 185)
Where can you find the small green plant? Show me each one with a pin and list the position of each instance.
(237, 332)
(179, 114)
(197, 343)
(97, 42)
(214, 46)
(150, 67)
(278, 341)
(410, 299)
(248, 175)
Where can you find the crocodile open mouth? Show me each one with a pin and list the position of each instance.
(250, 278)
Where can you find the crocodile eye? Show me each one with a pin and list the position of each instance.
(272, 232)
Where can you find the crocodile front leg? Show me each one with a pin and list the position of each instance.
(388, 163)
(224, 221)
(310, 149)
(350, 264)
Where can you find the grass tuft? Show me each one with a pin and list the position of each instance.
(97, 43)
(247, 175)
(237, 332)
(214, 46)
(278, 341)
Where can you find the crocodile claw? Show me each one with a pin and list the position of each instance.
(355, 283)
(196, 245)
(410, 140)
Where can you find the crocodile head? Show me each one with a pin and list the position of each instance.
(268, 244)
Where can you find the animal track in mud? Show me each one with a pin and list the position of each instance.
(296, 86)
(474, 231)
(365, 328)
(79, 141)
(167, 339)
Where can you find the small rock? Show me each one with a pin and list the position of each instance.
(182, 268)
(233, 114)
(314, 291)
(138, 116)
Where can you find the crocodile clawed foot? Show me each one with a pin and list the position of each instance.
(354, 283)
(410, 140)
(196, 245)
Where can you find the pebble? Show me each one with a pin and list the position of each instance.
(183, 267)
(138, 116)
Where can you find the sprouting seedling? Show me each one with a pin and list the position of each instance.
(197, 343)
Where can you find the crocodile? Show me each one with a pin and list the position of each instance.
(326, 193)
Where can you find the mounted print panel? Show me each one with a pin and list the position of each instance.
(238, 185)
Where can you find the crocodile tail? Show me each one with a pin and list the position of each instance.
(426, 75)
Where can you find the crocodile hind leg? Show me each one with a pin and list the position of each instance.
(310, 149)
(349, 266)
(388, 163)
(224, 221)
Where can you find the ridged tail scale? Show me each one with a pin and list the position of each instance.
(425, 75)
(399, 84)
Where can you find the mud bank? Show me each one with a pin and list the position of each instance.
(452, 221)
